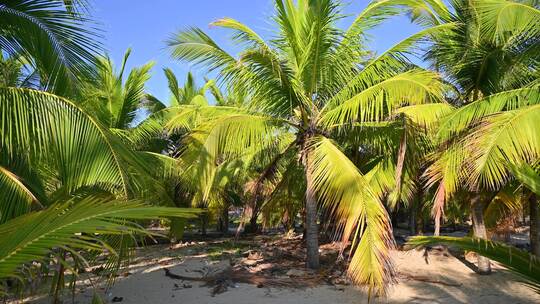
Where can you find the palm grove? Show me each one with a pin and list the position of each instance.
(309, 123)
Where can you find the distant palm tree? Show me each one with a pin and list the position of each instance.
(113, 98)
(308, 85)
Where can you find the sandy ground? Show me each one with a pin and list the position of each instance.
(451, 281)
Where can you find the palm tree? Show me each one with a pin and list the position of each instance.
(60, 165)
(71, 157)
(490, 56)
(308, 85)
(113, 99)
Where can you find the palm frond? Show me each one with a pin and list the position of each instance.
(501, 17)
(381, 99)
(526, 175)
(511, 136)
(195, 46)
(61, 45)
(32, 236)
(426, 115)
(17, 193)
(466, 116)
(340, 186)
(57, 132)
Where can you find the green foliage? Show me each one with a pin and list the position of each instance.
(309, 85)
(74, 225)
(113, 100)
(60, 45)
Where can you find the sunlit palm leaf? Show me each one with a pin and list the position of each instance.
(526, 175)
(30, 237)
(382, 98)
(56, 133)
(472, 113)
(60, 44)
(511, 136)
(340, 186)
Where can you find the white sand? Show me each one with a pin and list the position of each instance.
(148, 284)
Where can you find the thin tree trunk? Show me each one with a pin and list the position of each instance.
(479, 229)
(224, 219)
(59, 284)
(252, 226)
(534, 214)
(204, 222)
(412, 218)
(311, 227)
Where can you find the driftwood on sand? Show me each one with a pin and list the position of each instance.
(222, 280)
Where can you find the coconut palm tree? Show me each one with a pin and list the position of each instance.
(111, 98)
(61, 166)
(307, 85)
(53, 152)
(490, 56)
(190, 93)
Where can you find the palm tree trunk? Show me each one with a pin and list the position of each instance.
(311, 227)
(252, 227)
(204, 222)
(224, 219)
(412, 218)
(534, 232)
(479, 229)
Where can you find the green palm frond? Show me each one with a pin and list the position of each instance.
(526, 175)
(238, 133)
(340, 186)
(501, 17)
(378, 11)
(195, 46)
(174, 87)
(426, 115)
(466, 116)
(61, 45)
(242, 33)
(70, 147)
(511, 136)
(32, 236)
(112, 99)
(19, 195)
(446, 169)
(381, 99)
(520, 262)
(506, 203)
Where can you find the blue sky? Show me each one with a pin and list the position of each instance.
(145, 25)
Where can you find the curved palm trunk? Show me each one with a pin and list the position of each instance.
(311, 227)
(534, 213)
(479, 229)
